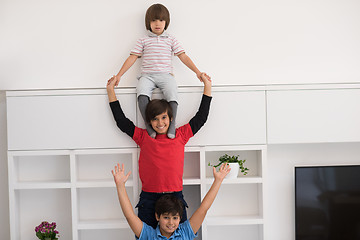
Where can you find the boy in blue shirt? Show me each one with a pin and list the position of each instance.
(168, 210)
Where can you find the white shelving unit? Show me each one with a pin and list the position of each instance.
(240, 202)
(81, 182)
(60, 158)
(72, 187)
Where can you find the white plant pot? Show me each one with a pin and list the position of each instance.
(234, 171)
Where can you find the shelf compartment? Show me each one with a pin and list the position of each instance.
(98, 166)
(246, 199)
(36, 206)
(50, 169)
(102, 202)
(253, 161)
(248, 232)
(193, 199)
(106, 234)
(191, 165)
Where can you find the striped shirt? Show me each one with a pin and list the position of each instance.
(157, 52)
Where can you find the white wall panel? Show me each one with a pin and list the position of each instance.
(309, 116)
(66, 122)
(234, 118)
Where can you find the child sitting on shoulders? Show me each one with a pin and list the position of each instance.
(156, 50)
(167, 210)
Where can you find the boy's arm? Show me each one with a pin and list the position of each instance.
(125, 124)
(190, 64)
(120, 179)
(198, 217)
(127, 64)
(201, 116)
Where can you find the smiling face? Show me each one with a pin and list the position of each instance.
(157, 26)
(160, 123)
(168, 223)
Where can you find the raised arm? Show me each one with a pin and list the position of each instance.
(198, 217)
(190, 64)
(120, 179)
(125, 124)
(201, 116)
(127, 64)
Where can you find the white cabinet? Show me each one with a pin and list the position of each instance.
(236, 116)
(65, 120)
(74, 188)
(309, 116)
(63, 144)
(239, 206)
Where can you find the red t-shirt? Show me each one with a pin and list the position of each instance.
(161, 161)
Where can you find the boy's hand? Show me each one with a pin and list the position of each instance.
(119, 174)
(205, 79)
(111, 83)
(117, 80)
(223, 171)
(201, 76)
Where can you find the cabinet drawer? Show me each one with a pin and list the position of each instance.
(311, 116)
(66, 122)
(235, 118)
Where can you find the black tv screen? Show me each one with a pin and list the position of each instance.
(327, 203)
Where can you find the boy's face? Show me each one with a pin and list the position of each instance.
(168, 223)
(160, 123)
(157, 26)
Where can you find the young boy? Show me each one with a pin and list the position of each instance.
(156, 50)
(161, 160)
(168, 210)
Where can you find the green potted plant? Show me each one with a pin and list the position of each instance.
(234, 163)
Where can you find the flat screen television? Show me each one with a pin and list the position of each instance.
(327, 202)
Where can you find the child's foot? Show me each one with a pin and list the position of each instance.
(171, 130)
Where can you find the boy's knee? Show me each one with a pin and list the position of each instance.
(143, 99)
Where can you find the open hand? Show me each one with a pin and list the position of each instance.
(119, 174)
(223, 171)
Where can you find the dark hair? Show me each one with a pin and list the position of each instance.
(169, 204)
(156, 107)
(157, 11)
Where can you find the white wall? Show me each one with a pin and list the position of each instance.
(79, 44)
(280, 183)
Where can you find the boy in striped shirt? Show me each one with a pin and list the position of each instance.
(156, 49)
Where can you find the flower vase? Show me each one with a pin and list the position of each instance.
(234, 171)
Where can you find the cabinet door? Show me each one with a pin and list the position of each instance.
(234, 118)
(66, 122)
(309, 116)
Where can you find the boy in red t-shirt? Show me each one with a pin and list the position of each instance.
(161, 159)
